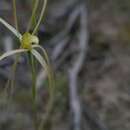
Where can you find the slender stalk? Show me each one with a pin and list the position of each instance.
(40, 17)
(49, 109)
(17, 57)
(15, 15)
(50, 104)
(32, 20)
(33, 77)
(34, 91)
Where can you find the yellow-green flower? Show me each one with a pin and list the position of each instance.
(29, 42)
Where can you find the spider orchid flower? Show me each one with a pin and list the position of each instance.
(29, 42)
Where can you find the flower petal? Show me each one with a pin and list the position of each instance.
(12, 29)
(12, 53)
(44, 52)
(51, 86)
(46, 67)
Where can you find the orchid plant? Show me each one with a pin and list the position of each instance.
(29, 43)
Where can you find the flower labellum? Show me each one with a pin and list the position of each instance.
(27, 40)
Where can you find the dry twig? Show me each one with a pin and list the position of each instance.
(75, 104)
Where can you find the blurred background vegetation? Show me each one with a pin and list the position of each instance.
(103, 79)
